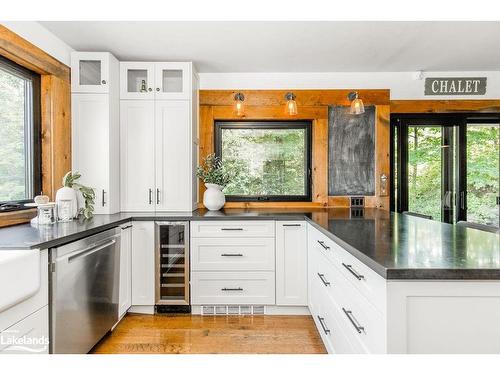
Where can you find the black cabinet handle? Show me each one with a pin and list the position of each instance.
(150, 196)
(232, 289)
(231, 255)
(322, 278)
(323, 325)
(351, 270)
(292, 225)
(353, 320)
(103, 82)
(323, 245)
(128, 226)
(103, 201)
(231, 229)
(157, 196)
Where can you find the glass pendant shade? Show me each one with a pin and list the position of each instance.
(357, 106)
(291, 104)
(239, 104)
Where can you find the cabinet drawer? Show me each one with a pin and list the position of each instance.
(232, 254)
(232, 228)
(232, 288)
(319, 242)
(365, 280)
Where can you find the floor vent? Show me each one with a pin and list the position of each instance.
(232, 310)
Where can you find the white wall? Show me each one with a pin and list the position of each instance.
(42, 38)
(402, 84)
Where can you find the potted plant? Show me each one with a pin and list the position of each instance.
(82, 197)
(215, 177)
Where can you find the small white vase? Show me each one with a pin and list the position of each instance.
(213, 198)
(67, 193)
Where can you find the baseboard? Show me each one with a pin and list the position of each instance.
(268, 310)
(142, 309)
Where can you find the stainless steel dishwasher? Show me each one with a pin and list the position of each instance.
(84, 289)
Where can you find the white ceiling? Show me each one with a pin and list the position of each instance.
(294, 46)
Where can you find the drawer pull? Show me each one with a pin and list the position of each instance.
(292, 225)
(353, 320)
(323, 325)
(232, 289)
(322, 278)
(231, 229)
(351, 270)
(323, 245)
(231, 255)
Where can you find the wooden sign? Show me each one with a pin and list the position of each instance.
(455, 86)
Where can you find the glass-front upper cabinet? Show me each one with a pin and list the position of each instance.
(172, 80)
(90, 72)
(137, 80)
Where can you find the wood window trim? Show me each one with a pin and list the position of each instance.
(55, 114)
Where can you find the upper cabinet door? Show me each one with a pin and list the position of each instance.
(90, 72)
(173, 80)
(137, 80)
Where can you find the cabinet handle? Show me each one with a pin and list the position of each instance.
(103, 81)
(232, 289)
(150, 89)
(103, 201)
(231, 229)
(323, 245)
(323, 325)
(231, 255)
(150, 196)
(322, 278)
(351, 270)
(126, 227)
(353, 320)
(292, 225)
(157, 196)
(157, 89)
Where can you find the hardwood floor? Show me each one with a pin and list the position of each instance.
(195, 334)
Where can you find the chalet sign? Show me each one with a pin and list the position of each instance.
(455, 86)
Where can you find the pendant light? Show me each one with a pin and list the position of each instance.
(291, 105)
(239, 98)
(357, 106)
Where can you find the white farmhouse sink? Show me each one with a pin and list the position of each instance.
(19, 276)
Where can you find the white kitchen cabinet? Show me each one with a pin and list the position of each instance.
(173, 156)
(137, 80)
(137, 140)
(159, 142)
(95, 140)
(291, 263)
(125, 269)
(90, 72)
(143, 263)
(173, 80)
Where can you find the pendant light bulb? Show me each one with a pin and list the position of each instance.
(357, 106)
(239, 104)
(291, 104)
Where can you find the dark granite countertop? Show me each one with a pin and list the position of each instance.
(393, 245)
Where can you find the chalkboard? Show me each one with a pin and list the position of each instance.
(351, 152)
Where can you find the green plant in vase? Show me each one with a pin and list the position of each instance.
(215, 177)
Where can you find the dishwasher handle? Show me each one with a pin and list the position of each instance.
(90, 250)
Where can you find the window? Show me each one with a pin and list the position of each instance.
(20, 170)
(271, 161)
(447, 166)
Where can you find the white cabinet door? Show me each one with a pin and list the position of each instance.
(90, 72)
(32, 332)
(90, 145)
(137, 155)
(137, 80)
(125, 269)
(291, 263)
(173, 156)
(173, 80)
(143, 263)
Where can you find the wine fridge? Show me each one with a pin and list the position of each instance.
(172, 266)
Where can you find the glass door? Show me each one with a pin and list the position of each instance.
(90, 72)
(172, 80)
(136, 80)
(480, 198)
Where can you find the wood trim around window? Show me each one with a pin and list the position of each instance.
(55, 114)
(445, 106)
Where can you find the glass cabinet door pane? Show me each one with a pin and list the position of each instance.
(137, 80)
(90, 72)
(172, 81)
